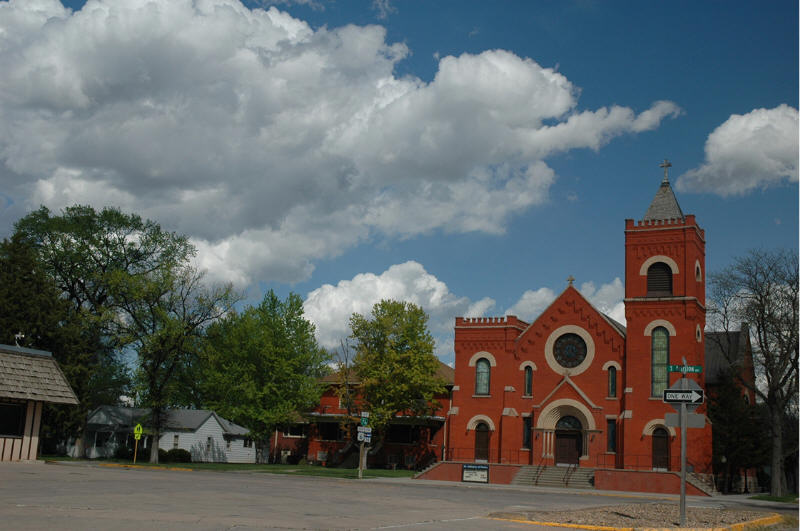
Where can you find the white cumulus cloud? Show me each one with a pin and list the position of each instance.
(271, 144)
(329, 307)
(748, 152)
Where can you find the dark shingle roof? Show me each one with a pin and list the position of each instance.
(723, 350)
(28, 374)
(664, 205)
(176, 419)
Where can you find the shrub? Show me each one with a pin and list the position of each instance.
(162, 456)
(178, 455)
(123, 452)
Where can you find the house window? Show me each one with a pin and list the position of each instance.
(526, 432)
(329, 431)
(12, 420)
(612, 382)
(248, 443)
(209, 444)
(611, 432)
(175, 441)
(659, 280)
(528, 388)
(294, 430)
(228, 444)
(659, 361)
(482, 376)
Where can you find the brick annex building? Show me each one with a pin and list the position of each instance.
(575, 387)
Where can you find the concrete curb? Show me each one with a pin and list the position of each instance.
(145, 467)
(768, 520)
(114, 465)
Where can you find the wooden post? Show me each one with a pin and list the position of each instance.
(361, 460)
(135, 449)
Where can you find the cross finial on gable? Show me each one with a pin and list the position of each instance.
(666, 165)
(570, 280)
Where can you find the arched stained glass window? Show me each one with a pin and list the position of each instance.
(568, 422)
(612, 381)
(528, 381)
(482, 376)
(659, 361)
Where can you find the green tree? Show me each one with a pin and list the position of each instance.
(395, 362)
(33, 314)
(761, 289)
(82, 250)
(261, 366)
(164, 314)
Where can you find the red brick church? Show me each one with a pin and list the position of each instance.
(575, 387)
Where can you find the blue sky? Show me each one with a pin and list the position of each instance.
(467, 156)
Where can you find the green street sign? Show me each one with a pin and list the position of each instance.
(364, 421)
(137, 432)
(685, 368)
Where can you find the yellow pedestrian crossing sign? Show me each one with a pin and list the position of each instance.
(137, 432)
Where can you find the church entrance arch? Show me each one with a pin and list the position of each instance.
(482, 442)
(660, 449)
(569, 441)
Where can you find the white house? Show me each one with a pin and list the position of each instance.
(204, 434)
(207, 436)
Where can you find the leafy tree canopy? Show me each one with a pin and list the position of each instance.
(395, 362)
(262, 366)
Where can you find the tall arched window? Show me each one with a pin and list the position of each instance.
(659, 280)
(612, 381)
(528, 381)
(659, 360)
(482, 375)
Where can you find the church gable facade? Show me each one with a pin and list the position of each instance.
(576, 388)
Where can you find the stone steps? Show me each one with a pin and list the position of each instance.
(555, 476)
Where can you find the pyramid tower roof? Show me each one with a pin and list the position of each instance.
(664, 205)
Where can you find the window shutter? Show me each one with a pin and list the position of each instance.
(659, 280)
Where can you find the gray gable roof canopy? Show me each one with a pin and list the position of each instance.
(29, 374)
(121, 418)
(664, 205)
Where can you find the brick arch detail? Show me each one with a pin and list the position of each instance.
(652, 325)
(561, 407)
(651, 426)
(658, 258)
(524, 364)
(473, 422)
(610, 364)
(482, 354)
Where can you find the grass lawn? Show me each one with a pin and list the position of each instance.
(790, 498)
(296, 470)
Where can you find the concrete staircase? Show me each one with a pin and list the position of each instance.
(704, 482)
(555, 476)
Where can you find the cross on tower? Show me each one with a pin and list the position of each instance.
(666, 164)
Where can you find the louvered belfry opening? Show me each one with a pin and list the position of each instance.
(659, 280)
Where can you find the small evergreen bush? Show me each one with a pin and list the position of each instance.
(178, 455)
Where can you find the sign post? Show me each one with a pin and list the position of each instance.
(137, 434)
(683, 395)
(364, 436)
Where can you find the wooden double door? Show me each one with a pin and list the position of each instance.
(569, 445)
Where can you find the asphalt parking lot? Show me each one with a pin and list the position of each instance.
(54, 496)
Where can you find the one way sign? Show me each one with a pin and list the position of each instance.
(676, 396)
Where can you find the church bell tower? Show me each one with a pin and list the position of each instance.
(665, 312)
